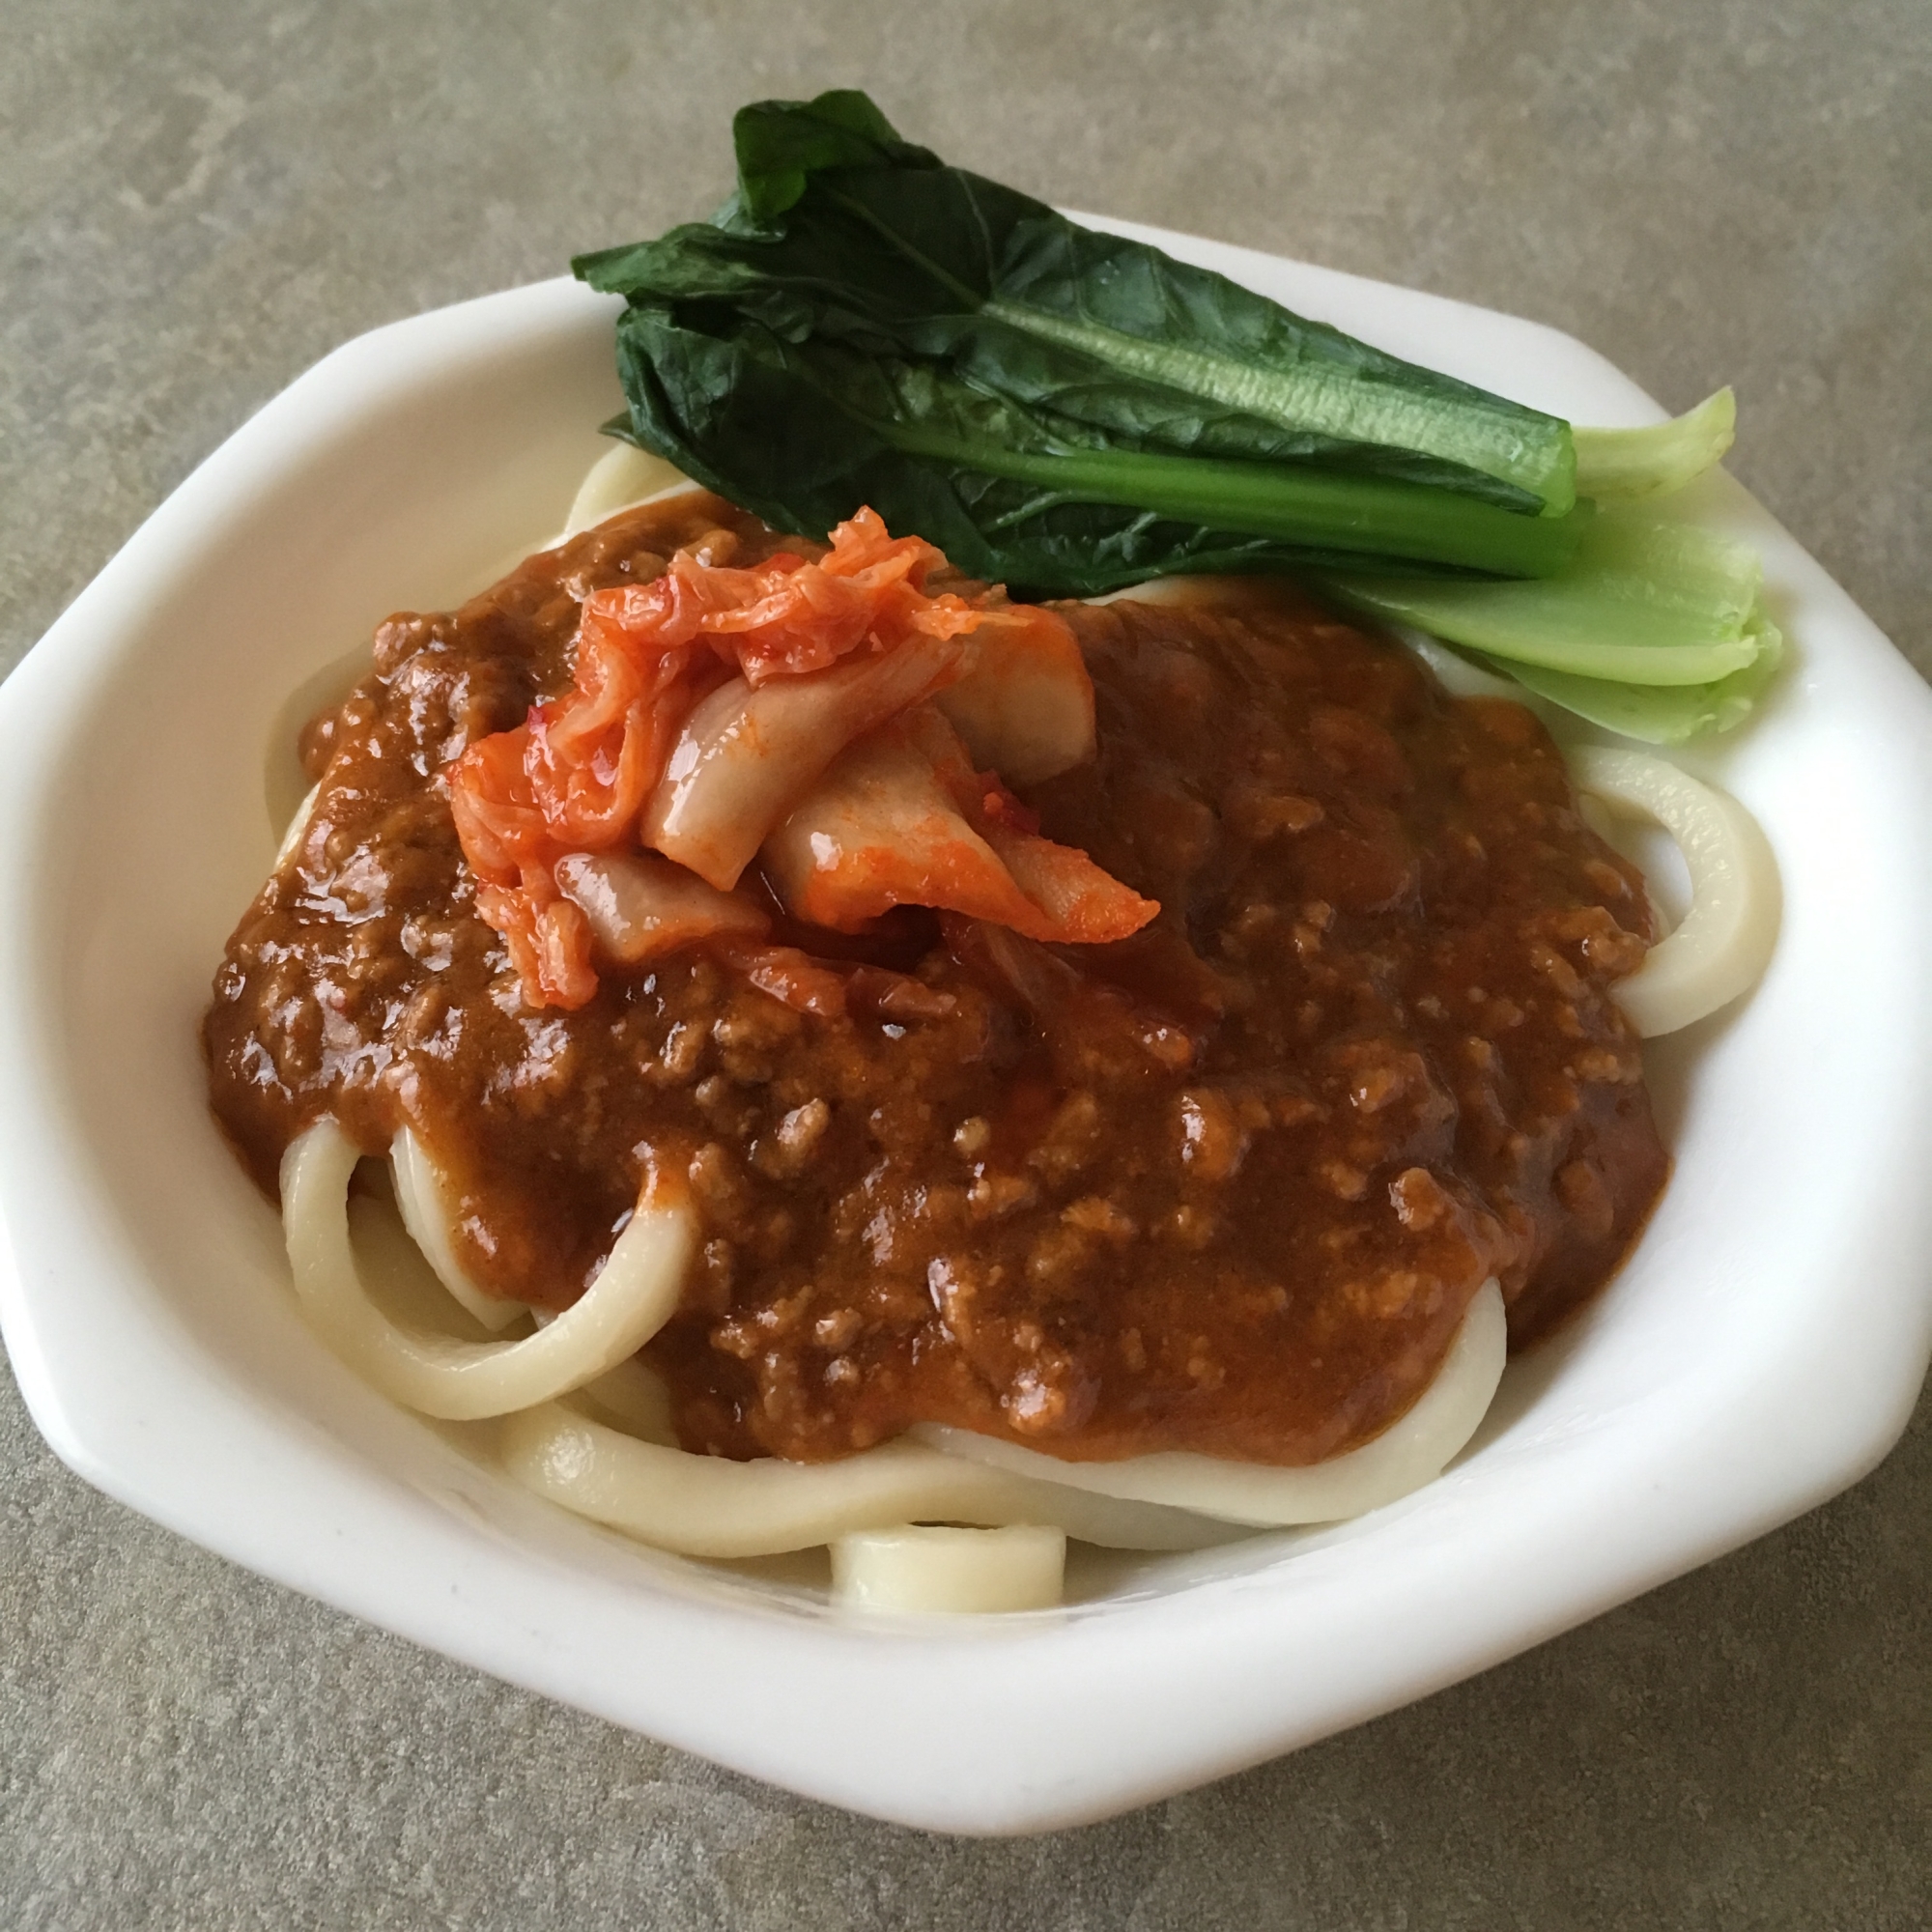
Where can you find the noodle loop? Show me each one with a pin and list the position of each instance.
(426, 1215)
(1413, 1450)
(633, 1295)
(1724, 943)
(710, 1506)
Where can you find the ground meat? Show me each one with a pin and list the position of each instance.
(1226, 1186)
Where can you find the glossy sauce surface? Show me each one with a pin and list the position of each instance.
(1227, 1186)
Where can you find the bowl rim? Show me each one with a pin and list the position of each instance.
(917, 1721)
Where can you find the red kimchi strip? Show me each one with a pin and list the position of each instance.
(748, 754)
(903, 820)
(706, 704)
(641, 907)
(788, 975)
(1025, 706)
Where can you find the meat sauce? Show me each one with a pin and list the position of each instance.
(1227, 1186)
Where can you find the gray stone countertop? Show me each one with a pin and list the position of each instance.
(200, 201)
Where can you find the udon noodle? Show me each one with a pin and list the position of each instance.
(941, 1517)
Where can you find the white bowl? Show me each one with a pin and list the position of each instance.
(1760, 1351)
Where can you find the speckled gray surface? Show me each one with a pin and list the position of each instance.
(199, 201)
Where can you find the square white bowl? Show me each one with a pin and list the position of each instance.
(1760, 1351)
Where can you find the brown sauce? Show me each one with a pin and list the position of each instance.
(1228, 1186)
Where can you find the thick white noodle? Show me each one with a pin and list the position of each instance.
(922, 1567)
(634, 1294)
(1725, 940)
(297, 825)
(425, 1210)
(1193, 592)
(1456, 674)
(398, 1279)
(1413, 1450)
(633, 1396)
(621, 479)
(892, 1515)
(706, 1506)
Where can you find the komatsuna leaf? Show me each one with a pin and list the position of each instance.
(804, 431)
(1623, 465)
(842, 233)
(1647, 600)
(781, 144)
(1660, 713)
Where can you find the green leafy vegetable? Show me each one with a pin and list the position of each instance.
(1622, 465)
(1070, 413)
(1655, 629)
(1157, 410)
(1659, 714)
(1645, 601)
(804, 431)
